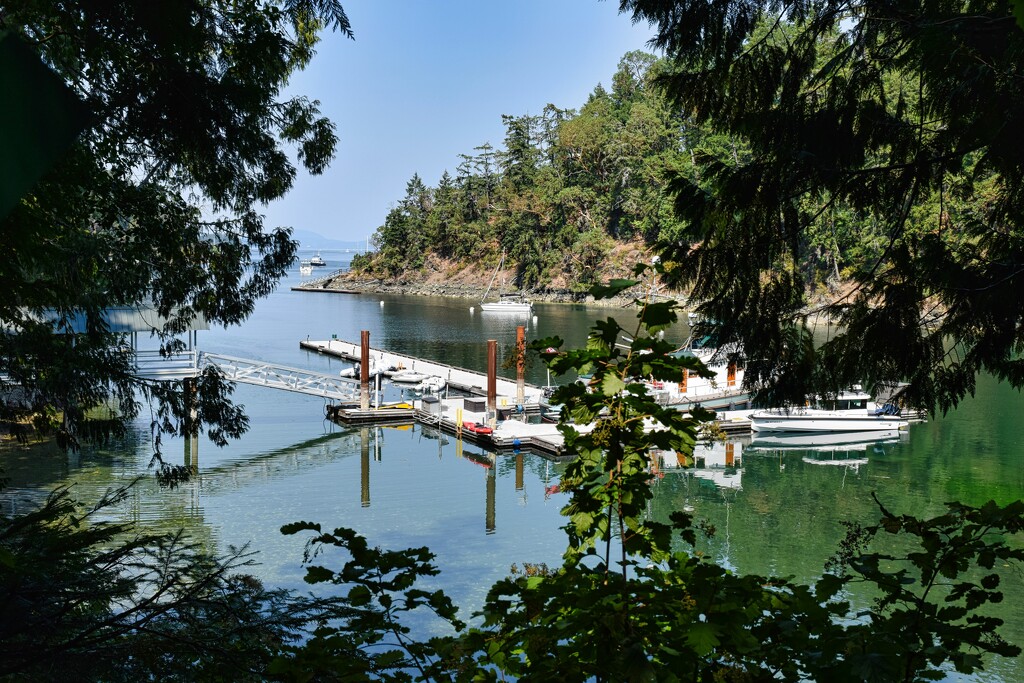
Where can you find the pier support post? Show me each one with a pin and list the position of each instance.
(364, 370)
(492, 381)
(519, 471)
(191, 426)
(520, 364)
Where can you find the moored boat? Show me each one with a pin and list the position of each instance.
(476, 427)
(409, 377)
(849, 411)
(724, 391)
(506, 303)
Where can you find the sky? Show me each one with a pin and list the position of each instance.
(426, 81)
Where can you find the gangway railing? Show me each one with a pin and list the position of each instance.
(317, 281)
(282, 377)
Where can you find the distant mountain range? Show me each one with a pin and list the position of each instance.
(312, 240)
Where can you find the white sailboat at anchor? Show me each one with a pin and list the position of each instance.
(506, 303)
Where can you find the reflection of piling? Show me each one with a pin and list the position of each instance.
(492, 380)
(364, 370)
(520, 364)
(519, 471)
(364, 466)
(492, 477)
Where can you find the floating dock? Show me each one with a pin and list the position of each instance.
(460, 379)
(515, 433)
(510, 427)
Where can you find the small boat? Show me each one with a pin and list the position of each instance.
(850, 411)
(476, 427)
(317, 260)
(354, 370)
(409, 377)
(433, 384)
(305, 269)
(506, 303)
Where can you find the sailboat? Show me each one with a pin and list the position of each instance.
(506, 303)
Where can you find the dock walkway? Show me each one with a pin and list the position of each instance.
(467, 381)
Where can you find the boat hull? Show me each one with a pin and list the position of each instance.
(506, 307)
(798, 422)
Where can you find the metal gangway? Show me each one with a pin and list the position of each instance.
(319, 281)
(282, 377)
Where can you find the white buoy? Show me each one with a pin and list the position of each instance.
(471, 309)
(534, 318)
(382, 303)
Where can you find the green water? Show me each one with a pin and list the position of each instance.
(775, 512)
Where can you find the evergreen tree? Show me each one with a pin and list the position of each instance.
(900, 114)
(157, 203)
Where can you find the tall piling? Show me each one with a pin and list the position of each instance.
(520, 364)
(364, 370)
(191, 390)
(492, 380)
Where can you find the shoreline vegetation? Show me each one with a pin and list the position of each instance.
(456, 278)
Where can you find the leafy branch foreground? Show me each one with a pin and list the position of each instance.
(626, 604)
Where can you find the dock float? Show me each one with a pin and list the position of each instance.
(460, 379)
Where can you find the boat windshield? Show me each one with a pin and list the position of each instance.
(842, 404)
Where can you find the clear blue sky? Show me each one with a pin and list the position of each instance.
(426, 81)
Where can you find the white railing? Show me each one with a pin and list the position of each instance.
(317, 281)
(282, 377)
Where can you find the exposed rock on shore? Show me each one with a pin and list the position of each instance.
(473, 292)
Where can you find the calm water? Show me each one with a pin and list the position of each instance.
(776, 510)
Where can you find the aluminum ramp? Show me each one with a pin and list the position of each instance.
(282, 377)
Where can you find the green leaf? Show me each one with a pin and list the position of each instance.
(702, 637)
(613, 288)
(612, 385)
(296, 527)
(318, 574)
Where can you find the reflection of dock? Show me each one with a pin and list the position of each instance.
(717, 462)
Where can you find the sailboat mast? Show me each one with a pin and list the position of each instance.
(493, 277)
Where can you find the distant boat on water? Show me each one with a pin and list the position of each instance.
(506, 303)
(317, 260)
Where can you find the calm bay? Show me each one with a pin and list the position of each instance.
(776, 511)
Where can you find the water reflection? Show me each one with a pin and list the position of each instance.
(777, 509)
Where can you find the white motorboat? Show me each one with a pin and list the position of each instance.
(433, 385)
(506, 303)
(409, 377)
(850, 411)
(305, 268)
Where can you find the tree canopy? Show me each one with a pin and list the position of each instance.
(157, 203)
(895, 118)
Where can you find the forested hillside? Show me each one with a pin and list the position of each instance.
(567, 185)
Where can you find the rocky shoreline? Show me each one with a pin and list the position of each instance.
(472, 292)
